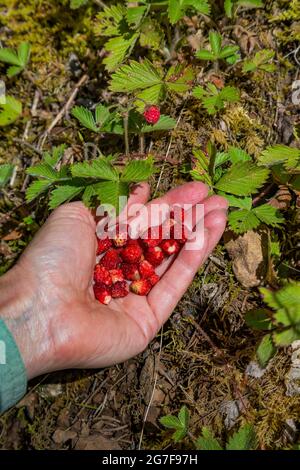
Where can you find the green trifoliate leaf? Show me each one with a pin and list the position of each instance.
(135, 76)
(113, 193)
(260, 61)
(241, 221)
(269, 215)
(243, 179)
(36, 188)
(109, 22)
(277, 154)
(137, 170)
(64, 193)
(207, 441)
(85, 117)
(244, 439)
(99, 168)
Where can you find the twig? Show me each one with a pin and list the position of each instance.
(64, 110)
(263, 194)
(28, 145)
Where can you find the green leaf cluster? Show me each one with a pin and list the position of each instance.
(105, 120)
(214, 99)
(243, 439)
(281, 319)
(260, 61)
(148, 83)
(17, 59)
(97, 179)
(236, 177)
(216, 52)
(179, 423)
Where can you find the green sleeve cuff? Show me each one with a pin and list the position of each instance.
(13, 377)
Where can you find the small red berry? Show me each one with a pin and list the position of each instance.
(152, 237)
(116, 275)
(111, 259)
(153, 279)
(103, 245)
(132, 253)
(121, 236)
(102, 276)
(102, 293)
(130, 271)
(146, 269)
(152, 114)
(154, 255)
(170, 247)
(141, 287)
(119, 289)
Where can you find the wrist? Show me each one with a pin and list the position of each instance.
(19, 309)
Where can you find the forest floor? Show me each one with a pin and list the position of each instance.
(204, 357)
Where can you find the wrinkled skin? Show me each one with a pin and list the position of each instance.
(47, 298)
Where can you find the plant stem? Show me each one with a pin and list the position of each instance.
(142, 143)
(127, 151)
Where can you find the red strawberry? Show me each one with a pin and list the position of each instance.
(146, 269)
(119, 289)
(170, 247)
(152, 237)
(130, 271)
(103, 245)
(111, 259)
(153, 279)
(116, 275)
(102, 276)
(152, 114)
(102, 293)
(121, 236)
(141, 287)
(132, 253)
(154, 255)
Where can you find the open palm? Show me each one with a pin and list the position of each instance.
(79, 331)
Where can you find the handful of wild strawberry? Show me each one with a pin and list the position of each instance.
(128, 264)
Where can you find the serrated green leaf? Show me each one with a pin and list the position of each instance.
(203, 54)
(85, 117)
(239, 202)
(135, 76)
(152, 95)
(137, 170)
(269, 215)
(10, 111)
(221, 158)
(202, 6)
(184, 417)
(179, 78)
(57, 153)
(243, 179)
(228, 51)
(207, 441)
(118, 49)
(9, 56)
(134, 15)
(24, 53)
(43, 170)
(165, 123)
(259, 61)
(36, 188)
(266, 350)
(170, 422)
(175, 10)
(110, 21)
(237, 155)
(102, 114)
(242, 220)
(6, 171)
(99, 168)
(215, 40)
(259, 319)
(113, 193)
(277, 154)
(13, 71)
(64, 193)
(228, 7)
(230, 94)
(179, 435)
(244, 439)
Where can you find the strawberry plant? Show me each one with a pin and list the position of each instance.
(260, 61)
(243, 439)
(280, 320)
(17, 59)
(214, 99)
(217, 51)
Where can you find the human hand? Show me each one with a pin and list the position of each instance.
(47, 299)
